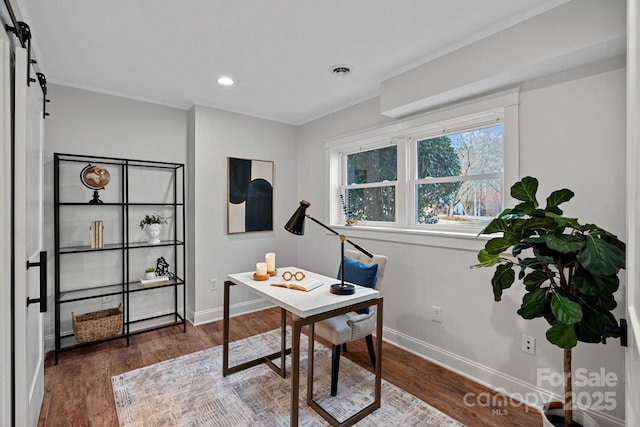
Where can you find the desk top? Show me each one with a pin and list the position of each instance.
(300, 303)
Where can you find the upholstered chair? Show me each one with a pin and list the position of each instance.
(352, 326)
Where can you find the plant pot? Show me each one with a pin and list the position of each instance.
(552, 414)
(153, 232)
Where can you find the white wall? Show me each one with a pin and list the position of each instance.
(571, 135)
(217, 135)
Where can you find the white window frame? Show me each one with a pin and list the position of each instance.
(481, 112)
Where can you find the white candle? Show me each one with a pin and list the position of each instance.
(270, 258)
(261, 269)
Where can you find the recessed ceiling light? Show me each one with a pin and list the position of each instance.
(340, 70)
(225, 81)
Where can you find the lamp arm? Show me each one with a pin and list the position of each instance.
(364, 251)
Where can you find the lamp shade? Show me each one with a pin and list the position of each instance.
(295, 224)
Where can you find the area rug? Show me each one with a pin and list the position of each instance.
(191, 391)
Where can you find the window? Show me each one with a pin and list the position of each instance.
(444, 171)
(459, 177)
(370, 190)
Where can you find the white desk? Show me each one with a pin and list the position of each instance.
(308, 308)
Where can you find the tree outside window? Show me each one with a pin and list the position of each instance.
(459, 177)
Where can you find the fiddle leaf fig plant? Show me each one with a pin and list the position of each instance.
(569, 270)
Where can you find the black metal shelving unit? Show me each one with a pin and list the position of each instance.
(66, 206)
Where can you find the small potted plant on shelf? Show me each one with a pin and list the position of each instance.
(150, 273)
(569, 271)
(153, 223)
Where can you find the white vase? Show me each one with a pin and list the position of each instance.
(555, 408)
(153, 232)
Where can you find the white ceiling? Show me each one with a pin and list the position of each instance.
(279, 52)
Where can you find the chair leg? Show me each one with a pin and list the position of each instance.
(344, 347)
(335, 366)
(372, 353)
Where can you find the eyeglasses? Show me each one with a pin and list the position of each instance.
(298, 275)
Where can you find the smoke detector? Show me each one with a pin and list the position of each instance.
(340, 70)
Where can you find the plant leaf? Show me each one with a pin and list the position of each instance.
(558, 197)
(565, 310)
(590, 328)
(534, 304)
(497, 245)
(564, 221)
(503, 278)
(591, 285)
(486, 259)
(535, 279)
(603, 302)
(564, 243)
(525, 190)
(543, 224)
(601, 258)
(564, 336)
(543, 256)
(497, 225)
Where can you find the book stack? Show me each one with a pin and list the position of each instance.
(96, 235)
(158, 280)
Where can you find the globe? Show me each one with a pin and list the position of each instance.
(95, 177)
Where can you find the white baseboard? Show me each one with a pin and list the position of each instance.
(514, 389)
(215, 314)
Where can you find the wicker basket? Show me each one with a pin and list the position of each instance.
(97, 325)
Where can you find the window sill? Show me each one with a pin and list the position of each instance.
(467, 240)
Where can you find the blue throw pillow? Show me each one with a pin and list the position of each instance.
(361, 274)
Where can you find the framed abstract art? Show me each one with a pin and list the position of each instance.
(249, 195)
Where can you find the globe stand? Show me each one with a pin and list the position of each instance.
(96, 198)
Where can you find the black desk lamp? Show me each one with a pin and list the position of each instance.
(295, 225)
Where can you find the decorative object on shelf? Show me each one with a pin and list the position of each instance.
(152, 224)
(154, 281)
(96, 235)
(569, 271)
(97, 325)
(151, 278)
(270, 259)
(295, 225)
(162, 268)
(95, 178)
(149, 273)
(250, 195)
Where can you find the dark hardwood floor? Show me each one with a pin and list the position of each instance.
(78, 389)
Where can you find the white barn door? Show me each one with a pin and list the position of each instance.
(5, 231)
(632, 387)
(28, 225)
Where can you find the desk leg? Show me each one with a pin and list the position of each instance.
(312, 339)
(225, 329)
(378, 392)
(295, 371)
(283, 342)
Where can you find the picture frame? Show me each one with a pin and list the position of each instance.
(250, 187)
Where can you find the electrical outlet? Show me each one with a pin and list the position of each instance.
(528, 344)
(213, 284)
(436, 314)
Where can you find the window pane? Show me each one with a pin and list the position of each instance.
(372, 166)
(467, 202)
(472, 152)
(372, 204)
